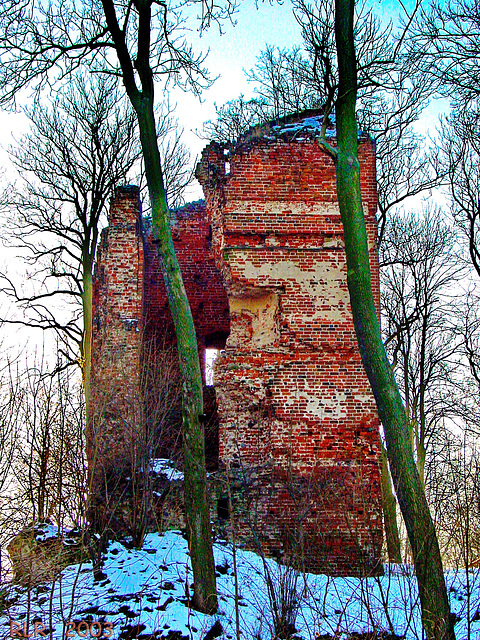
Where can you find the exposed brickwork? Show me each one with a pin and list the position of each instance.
(264, 263)
(134, 408)
(115, 427)
(294, 402)
(192, 239)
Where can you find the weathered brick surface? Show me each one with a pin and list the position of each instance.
(264, 263)
(206, 293)
(134, 409)
(294, 402)
(115, 426)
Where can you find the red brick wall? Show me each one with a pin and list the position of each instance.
(292, 394)
(115, 425)
(206, 293)
(263, 263)
(133, 335)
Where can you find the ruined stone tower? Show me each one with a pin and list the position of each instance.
(264, 266)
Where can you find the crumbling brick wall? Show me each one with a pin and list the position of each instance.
(264, 267)
(115, 424)
(135, 391)
(206, 294)
(298, 421)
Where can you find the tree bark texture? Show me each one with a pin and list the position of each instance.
(389, 507)
(87, 312)
(197, 512)
(436, 617)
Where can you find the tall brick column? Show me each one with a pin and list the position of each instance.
(298, 422)
(114, 432)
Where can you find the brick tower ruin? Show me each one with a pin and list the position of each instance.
(264, 267)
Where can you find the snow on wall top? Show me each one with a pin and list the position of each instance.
(296, 127)
(306, 127)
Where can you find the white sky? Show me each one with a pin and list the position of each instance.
(230, 53)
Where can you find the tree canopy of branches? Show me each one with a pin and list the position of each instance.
(459, 161)
(138, 42)
(77, 151)
(390, 97)
(420, 270)
(445, 44)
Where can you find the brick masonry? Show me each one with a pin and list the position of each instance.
(264, 266)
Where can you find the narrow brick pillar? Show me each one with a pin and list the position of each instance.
(115, 432)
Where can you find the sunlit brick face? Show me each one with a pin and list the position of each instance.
(294, 403)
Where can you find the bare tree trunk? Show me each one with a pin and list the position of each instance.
(197, 512)
(87, 312)
(389, 505)
(436, 617)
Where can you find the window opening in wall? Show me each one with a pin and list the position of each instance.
(227, 168)
(210, 356)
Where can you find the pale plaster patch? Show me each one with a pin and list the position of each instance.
(322, 284)
(283, 213)
(318, 407)
(254, 320)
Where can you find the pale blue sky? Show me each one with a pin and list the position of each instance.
(257, 24)
(232, 52)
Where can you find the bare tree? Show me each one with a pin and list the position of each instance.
(138, 42)
(78, 150)
(46, 478)
(75, 154)
(444, 44)
(420, 273)
(50, 465)
(455, 497)
(421, 531)
(459, 161)
(11, 400)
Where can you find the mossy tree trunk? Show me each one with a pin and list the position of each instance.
(87, 313)
(389, 505)
(197, 513)
(421, 531)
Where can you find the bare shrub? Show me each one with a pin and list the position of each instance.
(142, 419)
(43, 472)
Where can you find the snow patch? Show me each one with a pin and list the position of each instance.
(167, 468)
(146, 592)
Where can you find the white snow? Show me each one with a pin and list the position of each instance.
(148, 588)
(45, 531)
(167, 468)
(312, 124)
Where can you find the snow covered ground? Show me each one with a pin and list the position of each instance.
(145, 593)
